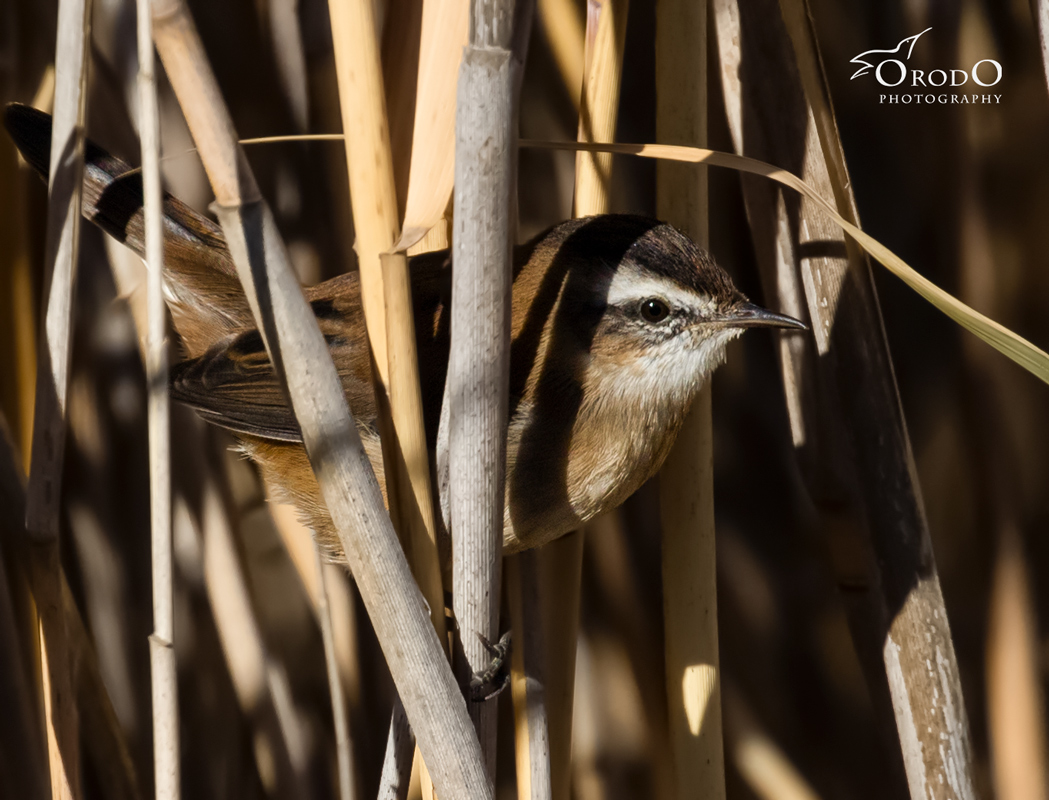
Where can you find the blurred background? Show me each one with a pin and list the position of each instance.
(960, 193)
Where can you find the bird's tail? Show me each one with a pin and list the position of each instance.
(205, 297)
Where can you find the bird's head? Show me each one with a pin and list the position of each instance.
(643, 313)
(618, 321)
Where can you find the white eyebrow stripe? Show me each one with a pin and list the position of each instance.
(628, 287)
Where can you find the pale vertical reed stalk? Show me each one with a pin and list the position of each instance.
(343, 745)
(420, 96)
(401, 43)
(559, 565)
(385, 291)
(164, 677)
(445, 32)
(63, 232)
(686, 481)
(561, 562)
(530, 621)
(421, 148)
(602, 73)
(368, 159)
(474, 415)
(43, 511)
(528, 678)
(301, 360)
(385, 283)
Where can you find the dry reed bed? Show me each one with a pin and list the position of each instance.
(844, 415)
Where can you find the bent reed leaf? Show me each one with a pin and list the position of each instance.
(1027, 355)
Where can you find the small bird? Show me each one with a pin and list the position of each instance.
(617, 322)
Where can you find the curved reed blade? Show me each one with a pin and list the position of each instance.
(1027, 355)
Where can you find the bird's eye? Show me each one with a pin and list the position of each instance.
(654, 310)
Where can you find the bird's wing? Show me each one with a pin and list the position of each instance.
(233, 385)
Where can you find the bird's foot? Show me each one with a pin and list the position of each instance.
(495, 678)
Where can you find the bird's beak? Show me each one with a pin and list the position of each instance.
(749, 315)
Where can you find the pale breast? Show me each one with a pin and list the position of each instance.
(555, 485)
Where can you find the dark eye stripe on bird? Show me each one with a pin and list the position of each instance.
(598, 392)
